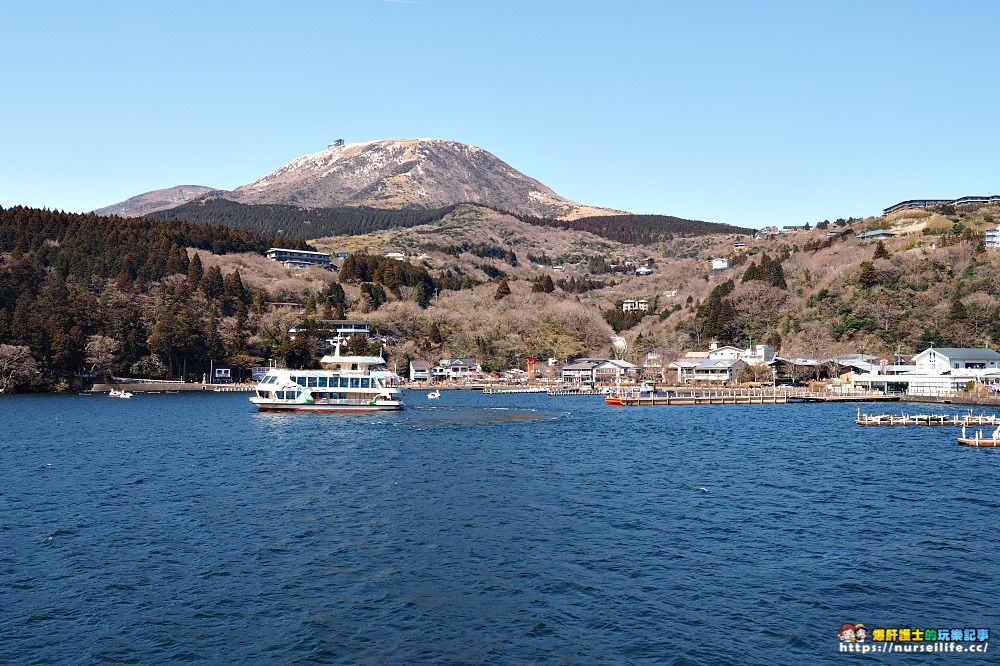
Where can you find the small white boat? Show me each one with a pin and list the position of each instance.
(115, 393)
(434, 394)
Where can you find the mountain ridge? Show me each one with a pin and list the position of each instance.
(393, 174)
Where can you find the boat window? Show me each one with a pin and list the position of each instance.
(301, 381)
(355, 382)
(313, 383)
(322, 382)
(271, 379)
(343, 382)
(364, 382)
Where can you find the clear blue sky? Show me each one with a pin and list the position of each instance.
(750, 113)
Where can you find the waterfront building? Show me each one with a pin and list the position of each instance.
(936, 371)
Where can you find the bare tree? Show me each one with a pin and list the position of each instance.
(102, 354)
(758, 306)
(17, 365)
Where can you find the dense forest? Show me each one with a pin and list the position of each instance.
(638, 229)
(276, 219)
(84, 295)
(87, 297)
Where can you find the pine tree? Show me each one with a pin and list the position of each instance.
(503, 290)
(751, 273)
(880, 251)
(212, 283)
(195, 271)
(868, 277)
(420, 295)
(435, 334)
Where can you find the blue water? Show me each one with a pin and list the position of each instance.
(504, 529)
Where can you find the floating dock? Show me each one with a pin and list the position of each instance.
(926, 419)
(705, 398)
(740, 397)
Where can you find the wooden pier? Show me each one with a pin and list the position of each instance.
(682, 396)
(707, 397)
(926, 419)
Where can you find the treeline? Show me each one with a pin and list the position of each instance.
(277, 219)
(284, 220)
(481, 250)
(89, 295)
(637, 229)
(82, 246)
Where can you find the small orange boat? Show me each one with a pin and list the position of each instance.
(613, 400)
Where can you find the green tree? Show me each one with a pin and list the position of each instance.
(212, 283)
(195, 271)
(420, 295)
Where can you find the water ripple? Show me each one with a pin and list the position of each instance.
(483, 529)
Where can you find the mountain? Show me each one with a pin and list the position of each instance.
(419, 173)
(394, 174)
(157, 200)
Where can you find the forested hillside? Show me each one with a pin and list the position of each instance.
(639, 229)
(88, 295)
(276, 219)
(84, 294)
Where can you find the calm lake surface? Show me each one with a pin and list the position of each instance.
(499, 529)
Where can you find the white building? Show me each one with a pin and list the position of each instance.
(756, 356)
(938, 371)
(720, 264)
(631, 305)
(993, 237)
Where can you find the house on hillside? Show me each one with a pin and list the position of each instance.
(298, 258)
(876, 234)
(643, 270)
(634, 305)
(720, 264)
(993, 237)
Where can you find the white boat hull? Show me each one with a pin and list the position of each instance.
(275, 406)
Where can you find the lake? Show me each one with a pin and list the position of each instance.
(481, 529)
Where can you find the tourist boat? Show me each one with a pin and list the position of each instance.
(434, 394)
(115, 393)
(979, 440)
(527, 389)
(345, 384)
